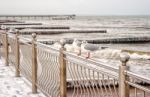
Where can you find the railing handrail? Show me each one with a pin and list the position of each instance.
(138, 86)
(138, 76)
(96, 68)
(47, 46)
(90, 61)
(79, 58)
(123, 74)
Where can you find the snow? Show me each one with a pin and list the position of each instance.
(12, 86)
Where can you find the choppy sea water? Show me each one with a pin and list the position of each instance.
(116, 26)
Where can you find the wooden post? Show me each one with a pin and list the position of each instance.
(123, 86)
(63, 78)
(34, 64)
(17, 55)
(6, 48)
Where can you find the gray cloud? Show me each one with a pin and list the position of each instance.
(89, 7)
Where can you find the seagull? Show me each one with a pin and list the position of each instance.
(88, 48)
(77, 46)
(74, 47)
(60, 43)
(63, 41)
(57, 45)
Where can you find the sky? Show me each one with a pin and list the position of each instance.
(79, 7)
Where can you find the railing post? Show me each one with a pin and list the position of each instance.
(34, 64)
(123, 86)
(63, 78)
(6, 48)
(17, 55)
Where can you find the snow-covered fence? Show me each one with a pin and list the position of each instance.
(1, 45)
(59, 73)
(132, 84)
(87, 77)
(138, 85)
(4, 46)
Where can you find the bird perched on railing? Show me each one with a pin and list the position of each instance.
(77, 46)
(89, 48)
(63, 42)
(74, 47)
(59, 43)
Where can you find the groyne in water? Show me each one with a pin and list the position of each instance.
(38, 28)
(20, 27)
(23, 25)
(37, 17)
(7, 24)
(58, 31)
(107, 41)
(8, 21)
(122, 40)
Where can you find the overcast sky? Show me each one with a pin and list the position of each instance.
(79, 7)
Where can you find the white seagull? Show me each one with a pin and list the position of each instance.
(88, 48)
(77, 46)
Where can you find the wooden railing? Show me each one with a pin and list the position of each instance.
(59, 73)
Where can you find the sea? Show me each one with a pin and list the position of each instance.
(116, 27)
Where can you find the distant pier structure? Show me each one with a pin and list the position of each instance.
(37, 17)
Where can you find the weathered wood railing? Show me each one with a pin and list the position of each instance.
(59, 73)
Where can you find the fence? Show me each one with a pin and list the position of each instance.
(59, 73)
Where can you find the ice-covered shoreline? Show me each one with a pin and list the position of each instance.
(12, 86)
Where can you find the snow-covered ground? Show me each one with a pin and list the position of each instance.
(11, 86)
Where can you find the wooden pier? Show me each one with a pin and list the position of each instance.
(9, 24)
(20, 27)
(37, 17)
